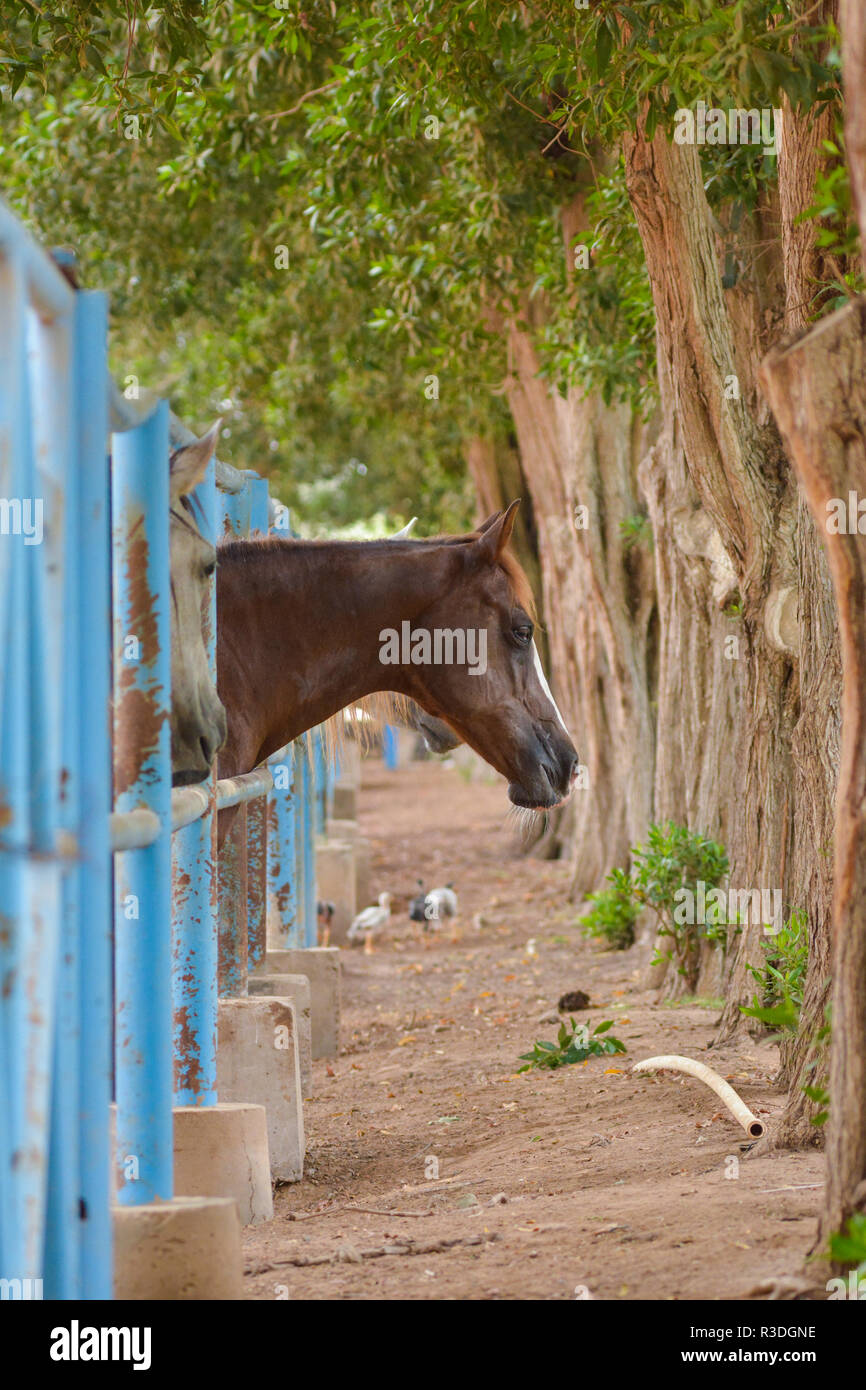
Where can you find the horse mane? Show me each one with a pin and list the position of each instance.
(243, 548)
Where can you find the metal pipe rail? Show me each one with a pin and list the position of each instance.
(140, 828)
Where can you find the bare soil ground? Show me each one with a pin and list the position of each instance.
(583, 1182)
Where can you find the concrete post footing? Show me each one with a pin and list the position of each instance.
(321, 965)
(336, 882)
(257, 1063)
(188, 1248)
(222, 1151)
(296, 988)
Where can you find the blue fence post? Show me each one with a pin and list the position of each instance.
(232, 869)
(282, 866)
(194, 894)
(257, 809)
(94, 872)
(321, 780)
(142, 765)
(389, 747)
(78, 1238)
(285, 842)
(308, 811)
(299, 759)
(20, 1198)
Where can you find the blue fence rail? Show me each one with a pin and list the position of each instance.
(85, 613)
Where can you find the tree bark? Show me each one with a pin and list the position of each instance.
(817, 389)
(599, 602)
(724, 510)
(816, 737)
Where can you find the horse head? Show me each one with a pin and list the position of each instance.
(496, 698)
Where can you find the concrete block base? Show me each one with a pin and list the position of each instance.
(222, 1151)
(185, 1249)
(297, 989)
(257, 1063)
(321, 965)
(345, 801)
(348, 830)
(336, 883)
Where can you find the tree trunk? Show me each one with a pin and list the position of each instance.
(723, 503)
(815, 748)
(817, 388)
(598, 600)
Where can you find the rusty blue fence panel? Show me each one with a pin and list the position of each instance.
(55, 1037)
(95, 584)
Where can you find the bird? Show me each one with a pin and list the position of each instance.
(324, 916)
(416, 906)
(439, 903)
(369, 922)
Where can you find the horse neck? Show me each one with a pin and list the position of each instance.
(298, 631)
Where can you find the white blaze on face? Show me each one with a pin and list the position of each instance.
(539, 670)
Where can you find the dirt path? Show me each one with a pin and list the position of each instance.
(584, 1181)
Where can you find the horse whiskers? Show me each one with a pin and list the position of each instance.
(526, 820)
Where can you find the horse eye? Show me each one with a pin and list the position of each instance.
(209, 568)
(523, 634)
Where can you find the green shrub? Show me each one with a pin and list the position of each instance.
(675, 858)
(782, 976)
(614, 912)
(849, 1248)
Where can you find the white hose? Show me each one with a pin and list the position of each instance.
(726, 1094)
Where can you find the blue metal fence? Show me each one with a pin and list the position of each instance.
(87, 597)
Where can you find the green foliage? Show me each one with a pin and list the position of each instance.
(674, 859)
(309, 127)
(734, 609)
(817, 1091)
(849, 1247)
(599, 333)
(636, 530)
(782, 976)
(838, 236)
(135, 56)
(614, 912)
(571, 1046)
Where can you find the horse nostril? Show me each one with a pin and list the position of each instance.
(207, 749)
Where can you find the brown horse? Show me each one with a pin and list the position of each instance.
(308, 627)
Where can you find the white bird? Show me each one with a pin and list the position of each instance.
(369, 922)
(439, 903)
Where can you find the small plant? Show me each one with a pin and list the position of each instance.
(817, 1092)
(614, 912)
(636, 530)
(675, 858)
(849, 1247)
(734, 609)
(837, 233)
(782, 976)
(571, 1046)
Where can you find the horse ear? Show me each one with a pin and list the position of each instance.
(189, 464)
(492, 542)
(486, 525)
